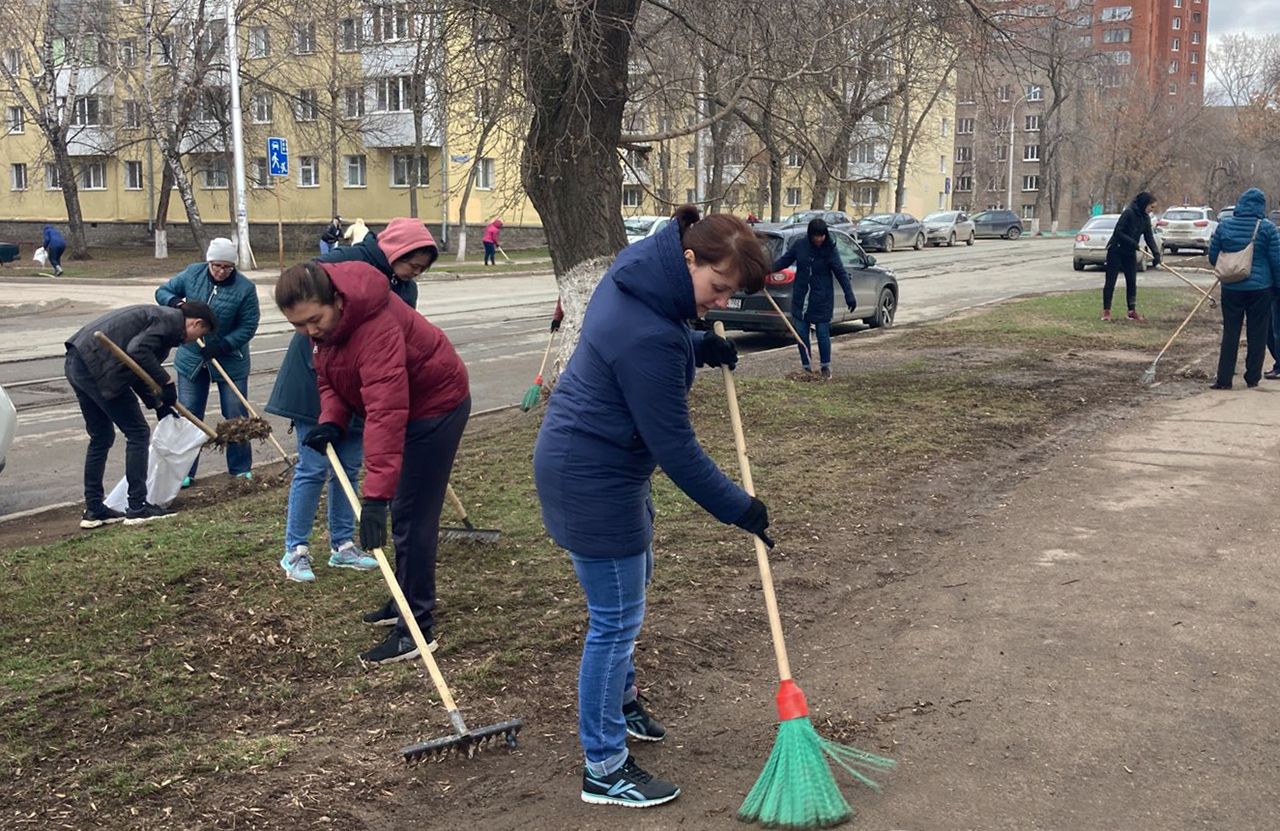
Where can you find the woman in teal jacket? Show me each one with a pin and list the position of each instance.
(234, 298)
(1248, 299)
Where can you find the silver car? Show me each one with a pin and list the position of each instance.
(946, 227)
(1091, 242)
(639, 227)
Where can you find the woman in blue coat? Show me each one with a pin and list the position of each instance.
(812, 295)
(234, 299)
(1249, 298)
(619, 410)
(54, 246)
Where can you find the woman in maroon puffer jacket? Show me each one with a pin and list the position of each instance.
(384, 362)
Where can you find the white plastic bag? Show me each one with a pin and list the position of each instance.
(41, 257)
(175, 443)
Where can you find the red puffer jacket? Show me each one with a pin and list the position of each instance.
(387, 364)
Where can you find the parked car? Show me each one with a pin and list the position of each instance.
(945, 227)
(8, 425)
(1091, 242)
(1186, 228)
(838, 220)
(997, 223)
(1226, 212)
(639, 227)
(875, 288)
(885, 232)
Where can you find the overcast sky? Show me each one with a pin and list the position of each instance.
(1227, 16)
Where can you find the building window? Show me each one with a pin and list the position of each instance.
(946, 127)
(1032, 123)
(260, 173)
(213, 38)
(390, 22)
(1030, 183)
(1195, 17)
(259, 42)
(211, 106)
(307, 106)
(1028, 211)
(942, 164)
(964, 126)
(1177, 23)
(304, 38)
(1173, 67)
(215, 176)
(964, 184)
(1195, 57)
(1173, 89)
(1123, 58)
(632, 196)
(1031, 152)
(690, 160)
(1005, 93)
(132, 115)
(402, 168)
(394, 94)
(1195, 37)
(353, 102)
(93, 176)
(17, 177)
(13, 60)
(133, 175)
(308, 172)
(484, 174)
(1177, 4)
(867, 195)
(1117, 13)
(1117, 35)
(88, 111)
(690, 195)
(793, 197)
(128, 52)
(1195, 77)
(964, 153)
(1174, 44)
(261, 107)
(794, 158)
(999, 153)
(52, 181)
(1035, 92)
(15, 120)
(350, 34)
(865, 152)
(355, 171)
(164, 49)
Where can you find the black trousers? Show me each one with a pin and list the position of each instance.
(1253, 309)
(1117, 261)
(430, 445)
(101, 418)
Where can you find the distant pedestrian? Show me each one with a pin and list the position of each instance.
(234, 298)
(812, 295)
(1133, 226)
(403, 250)
(332, 233)
(491, 242)
(1249, 300)
(108, 392)
(54, 245)
(355, 232)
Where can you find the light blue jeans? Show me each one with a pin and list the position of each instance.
(615, 589)
(824, 340)
(309, 475)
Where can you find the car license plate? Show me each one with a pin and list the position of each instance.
(735, 302)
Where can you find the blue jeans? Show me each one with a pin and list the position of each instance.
(1273, 340)
(490, 253)
(193, 393)
(55, 253)
(615, 590)
(309, 475)
(325, 247)
(824, 340)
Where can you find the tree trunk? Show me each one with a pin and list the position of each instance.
(162, 212)
(77, 244)
(199, 235)
(775, 183)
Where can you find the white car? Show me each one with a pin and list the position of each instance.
(1091, 242)
(639, 227)
(1187, 228)
(8, 425)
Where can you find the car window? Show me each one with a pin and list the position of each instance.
(908, 219)
(940, 216)
(1101, 223)
(773, 246)
(876, 219)
(849, 253)
(1183, 214)
(982, 217)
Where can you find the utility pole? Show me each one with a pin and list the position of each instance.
(237, 138)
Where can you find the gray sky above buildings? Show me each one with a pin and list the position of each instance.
(1255, 16)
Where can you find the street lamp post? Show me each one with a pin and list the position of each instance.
(237, 139)
(1013, 114)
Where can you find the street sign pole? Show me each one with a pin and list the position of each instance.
(278, 166)
(279, 222)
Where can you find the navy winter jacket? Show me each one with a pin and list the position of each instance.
(621, 408)
(812, 295)
(53, 239)
(234, 300)
(1234, 233)
(367, 251)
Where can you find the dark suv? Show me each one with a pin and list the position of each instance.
(997, 223)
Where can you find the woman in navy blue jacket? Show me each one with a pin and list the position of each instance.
(812, 295)
(54, 245)
(1248, 299)
(620, 409)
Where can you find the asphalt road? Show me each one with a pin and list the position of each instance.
(498, 324)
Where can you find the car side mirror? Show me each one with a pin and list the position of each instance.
(871, 260)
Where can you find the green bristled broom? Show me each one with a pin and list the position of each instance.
(534, 393)
(796, 789)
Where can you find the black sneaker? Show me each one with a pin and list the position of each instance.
(629, 786)
(396, 647)
(826, 373)
(146, 513)
(98, 517)
(641, 725)
(384, 615)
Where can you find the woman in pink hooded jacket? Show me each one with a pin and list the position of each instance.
(491, 242)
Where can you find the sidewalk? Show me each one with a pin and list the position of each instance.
(1099, 651)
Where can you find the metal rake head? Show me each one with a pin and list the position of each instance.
(468, 744)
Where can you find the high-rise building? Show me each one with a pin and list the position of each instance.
(1162, 41)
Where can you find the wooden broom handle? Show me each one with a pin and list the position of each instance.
(389, 575)
(545, 355)
(243, 400)
(128, 361)
(785, 320)
(762, 552)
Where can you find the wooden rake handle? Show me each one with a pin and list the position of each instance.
(1179, 275)
(1207, 295)
(243, 400)
(455, 502)
(389, 575)
(785, 319)
(762, 552)
(127, 360)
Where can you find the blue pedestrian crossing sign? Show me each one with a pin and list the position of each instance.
(278, 156)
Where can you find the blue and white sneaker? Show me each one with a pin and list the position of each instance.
(349, 555)
(629, 786)
(297, 564)
(641, 725)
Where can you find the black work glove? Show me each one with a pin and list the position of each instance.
(755, 520)
(718, 351)
(175, 302)
(226, 350)
(325, 434)
(373, 523)
(168, 395)
(555, 324)
(851, 302)
(163, 412)
(209, 351)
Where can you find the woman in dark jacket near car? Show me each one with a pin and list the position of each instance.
(812, 295)
(1248, 299)
(378, 359)
(619, 410)
(1133, 226)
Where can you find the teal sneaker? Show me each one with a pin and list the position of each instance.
(349, 555)
(186, 481)
(246, 476)
(297, 565)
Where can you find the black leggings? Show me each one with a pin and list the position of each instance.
(1127, 261)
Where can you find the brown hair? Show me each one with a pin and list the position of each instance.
(726, 243)
(304, 283)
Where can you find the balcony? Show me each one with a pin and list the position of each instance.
(93, 140)
(395, 129)
(203, 137)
